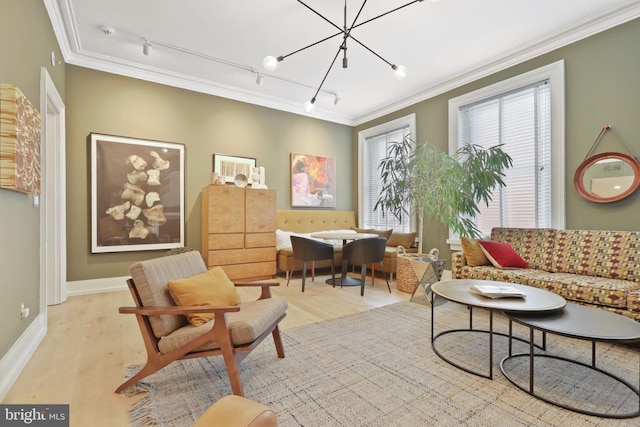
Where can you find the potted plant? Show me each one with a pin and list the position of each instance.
(444, 187)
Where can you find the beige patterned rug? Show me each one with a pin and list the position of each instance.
(377, 368)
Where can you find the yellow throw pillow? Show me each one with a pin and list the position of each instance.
(473, 252)
(210, 288)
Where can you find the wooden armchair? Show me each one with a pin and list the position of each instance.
(233, 332)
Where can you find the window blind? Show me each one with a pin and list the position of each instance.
(520, 120)
(374, 150)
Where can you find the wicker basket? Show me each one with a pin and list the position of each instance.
(406, 279)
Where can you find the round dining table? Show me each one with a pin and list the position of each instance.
(344, 279)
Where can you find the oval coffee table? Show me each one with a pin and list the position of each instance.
(459, 291)
(580, 322)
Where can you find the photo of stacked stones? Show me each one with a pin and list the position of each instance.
(138, 194)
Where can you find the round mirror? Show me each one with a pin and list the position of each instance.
(607, 177)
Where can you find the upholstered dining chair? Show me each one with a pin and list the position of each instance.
(310, 250)
(366, 251)
(211, 320)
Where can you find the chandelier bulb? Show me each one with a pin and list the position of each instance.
(270, 63)
(309, 106)
(399, 71)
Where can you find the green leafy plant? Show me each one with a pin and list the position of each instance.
(443, 187)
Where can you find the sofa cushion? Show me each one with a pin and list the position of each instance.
(212, 288)
(401, 239)
(501, 255)
(610, 254)
(534, 245)
(587, 289)
(473, 252)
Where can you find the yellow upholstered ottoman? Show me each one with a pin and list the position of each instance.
(236, 411)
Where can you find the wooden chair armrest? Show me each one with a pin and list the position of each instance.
(266, 287)
(263, 284)
(157, 311)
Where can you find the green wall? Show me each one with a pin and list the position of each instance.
(28, 40)
(602, 78)
(106, 103)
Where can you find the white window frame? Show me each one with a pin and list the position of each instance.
(409, 120)
(555, 74)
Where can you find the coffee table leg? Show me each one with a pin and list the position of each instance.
(531, 360)
(490, 344)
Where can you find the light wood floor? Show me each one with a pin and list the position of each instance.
(89, 345)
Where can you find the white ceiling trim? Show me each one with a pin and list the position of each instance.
(73, 54)
(516, 56)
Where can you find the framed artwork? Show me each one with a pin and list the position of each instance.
(230, 166)
(313, 181)
(137, 194)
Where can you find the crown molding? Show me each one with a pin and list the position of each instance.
(546, 44)
(63, 21)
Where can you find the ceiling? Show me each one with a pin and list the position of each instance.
(217, 47)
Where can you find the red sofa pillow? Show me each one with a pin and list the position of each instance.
(502, 255)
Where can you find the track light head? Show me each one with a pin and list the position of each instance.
(336, 99)
(146, 48)
(259, 79)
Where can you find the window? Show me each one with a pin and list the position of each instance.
(526, 114)
(372, 147)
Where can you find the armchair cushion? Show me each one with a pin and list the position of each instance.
(245, 325)
(151, 278)
(212, 288)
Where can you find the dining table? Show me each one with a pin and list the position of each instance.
(344, 279)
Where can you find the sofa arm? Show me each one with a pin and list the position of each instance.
(458, 261)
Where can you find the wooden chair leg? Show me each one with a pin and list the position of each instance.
(278, 342)
(373, 273)
(313, 271)
(290, 273)
(363, 279)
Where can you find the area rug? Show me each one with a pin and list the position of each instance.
(377, 368)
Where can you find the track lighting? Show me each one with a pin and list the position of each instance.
(146, 48)
(336, 99)
(259, 79)
(270, 63)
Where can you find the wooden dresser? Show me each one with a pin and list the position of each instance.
(238, 231)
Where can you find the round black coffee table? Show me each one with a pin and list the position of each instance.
(580, 322)
(459, 291)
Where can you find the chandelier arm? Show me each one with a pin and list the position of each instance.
(327, 73)
(386, 13)
(321, 16)
(311, 45)
(370, 50)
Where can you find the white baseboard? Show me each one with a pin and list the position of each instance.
(96, 286)
(14, 361)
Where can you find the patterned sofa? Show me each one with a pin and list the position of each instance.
(596, 268)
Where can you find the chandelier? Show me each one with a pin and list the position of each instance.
(270, 63)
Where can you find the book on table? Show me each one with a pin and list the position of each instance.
(498, 291)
